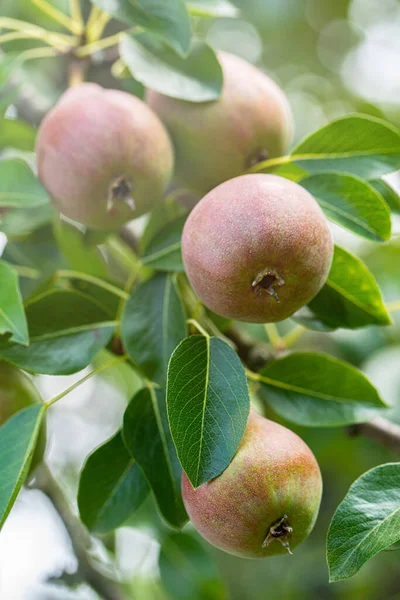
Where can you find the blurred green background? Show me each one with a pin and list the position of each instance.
(331, 57)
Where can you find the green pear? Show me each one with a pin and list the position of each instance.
(266, 501)
(215, 141)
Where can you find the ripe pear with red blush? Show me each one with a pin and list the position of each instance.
(215, 141)
(257, 248)
(266, 501)
(104, 156)
(17, 392)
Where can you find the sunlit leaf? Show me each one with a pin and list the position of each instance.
(208, 405)
(366, 522)
(168, 21)
(317, 390)
(196, 78)
(350, 298)
(18, 438)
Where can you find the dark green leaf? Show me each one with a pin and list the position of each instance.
(39, 252)
(132, 86)
(17, 134)
(18, 438)
(208, 405)
(187, 570)
(212, 8)
(148, 439)
(169, 21)
(111, 487)
(356, 144)
(352, 203)
(153, 324)
(350, 298)
(197, 78)
(164, 251)
(12, 314)
(19, 187)
(390, 196)
(317, 390)
(109, 302)
(66, 330)
(366, 522)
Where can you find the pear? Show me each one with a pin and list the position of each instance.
(266, 501)
(104, 156)
(257, 248)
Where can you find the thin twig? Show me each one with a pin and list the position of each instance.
(275, 337)
(76, 12)
(58, 16)
(107, 42)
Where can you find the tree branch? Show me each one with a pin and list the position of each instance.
(80, 539)
(379, 430)
(253, 354)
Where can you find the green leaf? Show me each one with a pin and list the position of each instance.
(350, 298)
(19, 188)
(208, 405)
(366, 522)
(212, 8)
(187, 570)
(317, 390)
(107, 300)
(66, 330)
(390, 195)
(287, 170)
(12, 314)
(111, 487)
(17, 134)
(352, 203)
(37, 251)
(169, 21)
(197, 78)
(8, 93)
(153, 324)
(18, 222)
(357, 144)
(393, 548)
(148, 439)
(18, 438)
(79, 254)
(164, 252)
